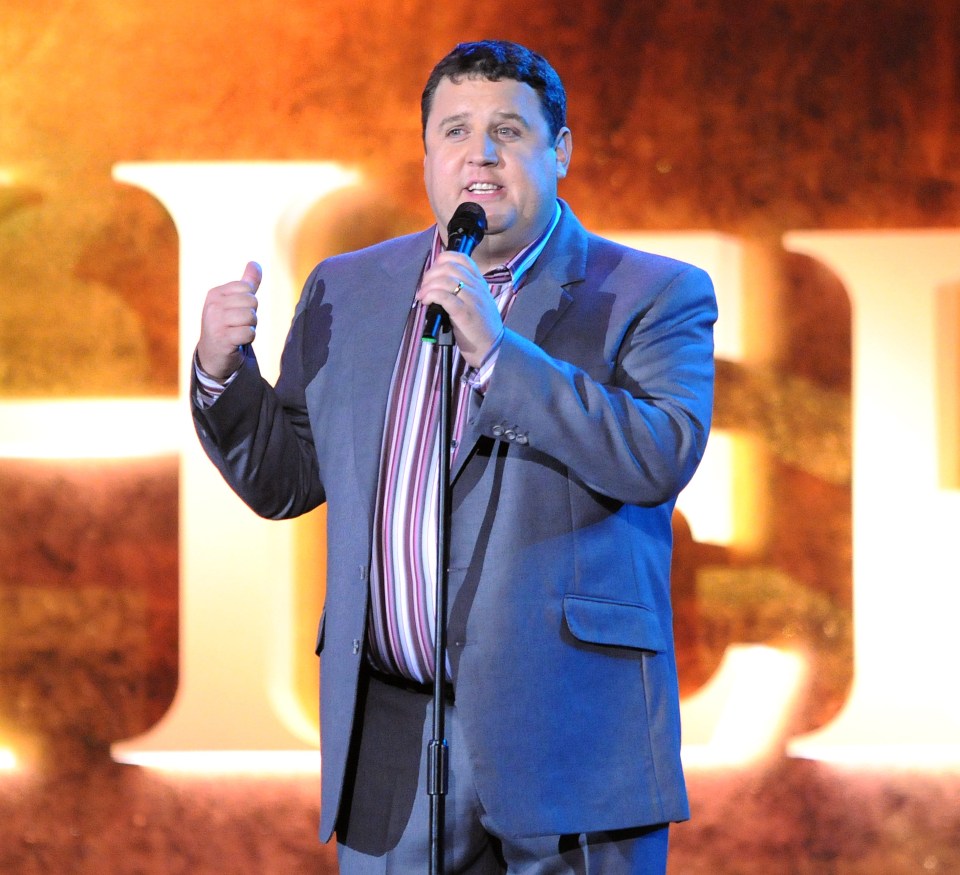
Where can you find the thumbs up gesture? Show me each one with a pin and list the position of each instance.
(229, 322)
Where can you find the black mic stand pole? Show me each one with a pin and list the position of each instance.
(438, 752)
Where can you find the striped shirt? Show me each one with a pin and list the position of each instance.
(404, 563)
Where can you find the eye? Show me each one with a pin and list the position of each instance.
(507, 133)
(455, 132)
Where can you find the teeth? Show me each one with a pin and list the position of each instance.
(484, 186)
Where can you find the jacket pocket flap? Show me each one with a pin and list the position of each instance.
(620, 624)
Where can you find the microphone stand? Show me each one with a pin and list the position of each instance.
(464, 231)
(438, 752)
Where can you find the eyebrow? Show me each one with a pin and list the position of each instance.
(460, 117)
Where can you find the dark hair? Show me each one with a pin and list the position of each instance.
(495, 60)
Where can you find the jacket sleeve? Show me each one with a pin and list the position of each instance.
(259, 437)
(636, 432)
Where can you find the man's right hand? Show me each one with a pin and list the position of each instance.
(229, 322)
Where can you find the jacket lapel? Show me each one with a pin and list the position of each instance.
(384, 296)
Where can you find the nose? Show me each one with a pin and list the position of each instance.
(483, 150)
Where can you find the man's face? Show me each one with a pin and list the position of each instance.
(489, 142)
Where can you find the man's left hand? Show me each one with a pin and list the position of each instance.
(455, 283)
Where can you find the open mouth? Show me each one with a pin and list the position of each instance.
(482, 188)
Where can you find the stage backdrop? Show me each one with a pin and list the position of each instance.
(157, 693)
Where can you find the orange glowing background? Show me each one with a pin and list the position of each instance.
(789, 116)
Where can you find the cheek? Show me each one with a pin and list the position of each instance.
(437, 171)
(431, 176)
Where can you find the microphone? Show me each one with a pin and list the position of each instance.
(464, 231)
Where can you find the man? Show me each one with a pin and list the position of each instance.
(583, 400)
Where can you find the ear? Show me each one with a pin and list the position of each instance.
(563, 146)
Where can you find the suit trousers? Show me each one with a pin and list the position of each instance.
(383, 827)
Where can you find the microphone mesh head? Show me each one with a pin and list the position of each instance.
(469, 220)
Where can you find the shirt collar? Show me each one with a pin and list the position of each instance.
(521, 262)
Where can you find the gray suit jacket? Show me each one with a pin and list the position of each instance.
(560, 622)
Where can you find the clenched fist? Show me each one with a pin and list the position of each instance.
(228, 323)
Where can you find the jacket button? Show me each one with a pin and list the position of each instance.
(522, 439)
(510, 434)
(356, 645)
(497, 430)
